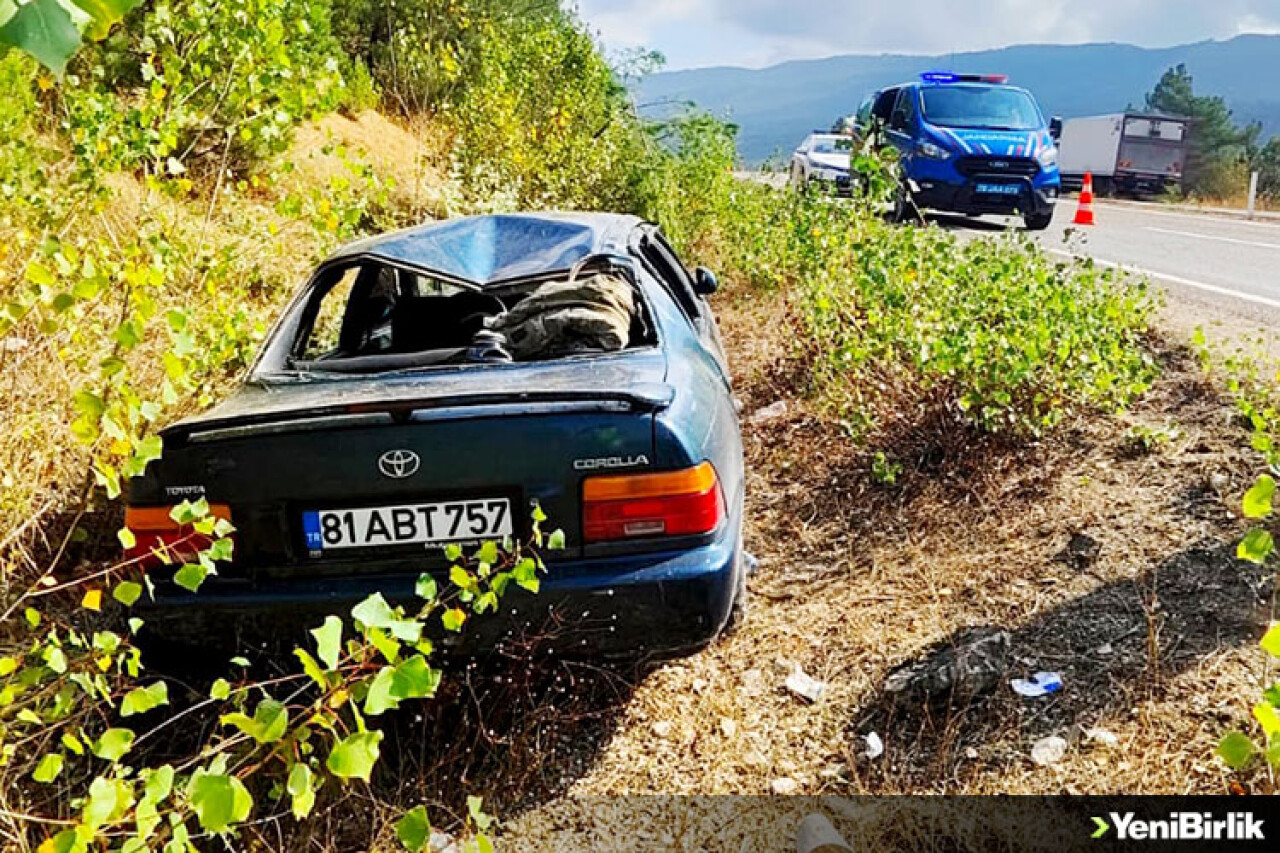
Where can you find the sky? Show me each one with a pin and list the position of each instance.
(756, 33)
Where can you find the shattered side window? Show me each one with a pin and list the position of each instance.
(326, 332)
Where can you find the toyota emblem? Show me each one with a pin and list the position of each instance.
(399, 464)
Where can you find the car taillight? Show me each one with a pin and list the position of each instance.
(669, 503)
(158, 539)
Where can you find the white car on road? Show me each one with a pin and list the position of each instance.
(822, 160)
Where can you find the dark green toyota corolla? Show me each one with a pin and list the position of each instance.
(432, 386)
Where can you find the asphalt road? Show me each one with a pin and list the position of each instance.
(1213, 268)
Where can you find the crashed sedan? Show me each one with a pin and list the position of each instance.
(442, 385)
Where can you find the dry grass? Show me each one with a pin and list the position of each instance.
(242, 234)
(857, 578)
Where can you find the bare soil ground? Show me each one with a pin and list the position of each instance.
(1107, 559)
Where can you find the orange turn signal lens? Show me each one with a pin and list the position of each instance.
(142, 519)
(690, 481)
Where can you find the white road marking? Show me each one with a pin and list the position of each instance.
(1142, 209)
(1213, 237)
(1176, 279)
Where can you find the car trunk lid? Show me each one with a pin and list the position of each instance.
(293, 457)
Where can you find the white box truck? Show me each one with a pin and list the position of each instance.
(1127, 153)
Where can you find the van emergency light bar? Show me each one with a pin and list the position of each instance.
(948, 77)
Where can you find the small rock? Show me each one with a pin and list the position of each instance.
(1082, 551)
(728, 727)
(14, 344)
(771, 412)
(1219, 482)
(971, 753)
(1102, 736)
(1049, 751)
(700, 685)
(784, 787)
(662, 728)
(442, 842)
(969, 664)
(805, 686)
(875, 746)
(1105, 649)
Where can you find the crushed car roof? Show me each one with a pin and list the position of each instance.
(499, 247)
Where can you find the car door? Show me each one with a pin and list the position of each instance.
(900, 129)
(677, 280)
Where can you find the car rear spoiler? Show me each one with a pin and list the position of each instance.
(638, 398)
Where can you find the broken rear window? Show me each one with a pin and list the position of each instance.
(370, 317)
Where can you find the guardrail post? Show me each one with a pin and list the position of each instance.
(1253, 193)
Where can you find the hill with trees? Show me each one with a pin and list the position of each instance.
(776, 106)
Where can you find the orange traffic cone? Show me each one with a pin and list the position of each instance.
(1084, 211)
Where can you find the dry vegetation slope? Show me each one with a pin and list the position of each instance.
(1154, 638)
(43, 465)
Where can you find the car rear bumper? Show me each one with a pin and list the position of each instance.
(635, 605)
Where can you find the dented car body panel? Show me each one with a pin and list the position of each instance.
(341, 484)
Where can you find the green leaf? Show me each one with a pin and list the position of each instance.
(220, 689)
(191, 576)
(414, 830)
(219, 801)
(452, 552)
(374, 612)
(354, 757)
(1256, 546)
(1271, 641)
(127, 592)
(75, 840)
(267, 725)
(301, 790)
(413, 678)
(379, 698)
(488, 552)
(453, 619)
(158, 784)
(143, 699)
(1268, 719)
(48, 768)
(113, 744)
(45, 30)
(1237, 750)
(105, 14)
(1257, 501)
(425, 588)
(329, 641)
(555, 542)
(476, 811)
(108, 800)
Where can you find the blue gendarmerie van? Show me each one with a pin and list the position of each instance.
(970, 144)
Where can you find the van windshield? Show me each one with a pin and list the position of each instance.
(990, 107)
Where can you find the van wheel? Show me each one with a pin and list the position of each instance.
(903, 208)
(1038, 221)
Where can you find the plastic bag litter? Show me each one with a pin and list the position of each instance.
(1040, 684)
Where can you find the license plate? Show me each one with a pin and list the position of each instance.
(998, 189)
(410, 524)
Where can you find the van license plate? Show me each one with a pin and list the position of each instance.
(410, 524)
(998, 189)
